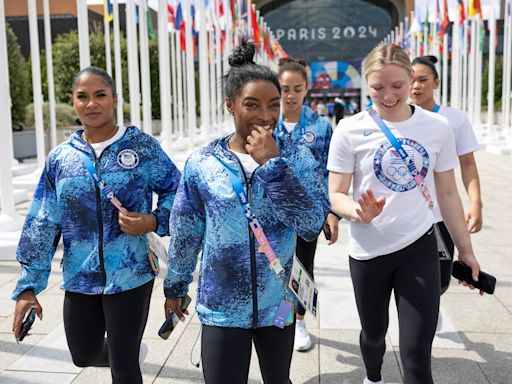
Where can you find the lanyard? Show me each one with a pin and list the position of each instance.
(255, 226)
(436, 109)
(409, 163)
(105, 190)
(301, 124)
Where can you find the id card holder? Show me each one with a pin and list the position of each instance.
(283, 312)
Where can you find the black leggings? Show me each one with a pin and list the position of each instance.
(226, 354)
(305, 251)
(413, 273)
(123, 316)
(445, 264)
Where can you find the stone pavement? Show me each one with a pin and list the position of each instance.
(474, 344)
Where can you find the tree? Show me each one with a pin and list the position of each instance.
(19, 79)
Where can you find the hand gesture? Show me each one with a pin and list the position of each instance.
(261, 145)
(332, 222)
(173, 305)
(25, 301)
(370, 207)
(135, 223)
(474, 218)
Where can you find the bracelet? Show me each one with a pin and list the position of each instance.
(335, 214)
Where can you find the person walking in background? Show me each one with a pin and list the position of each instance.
(242, 202)
(425, 82)
(299, 125)
(339, 109)
(108, 278)
(392, 245)
(321, 108)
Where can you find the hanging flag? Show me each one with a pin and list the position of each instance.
(107, 11)
(462, 12)
(446, 21)
(474, 8)
(179, 25)
(171, 16)
(256, 33)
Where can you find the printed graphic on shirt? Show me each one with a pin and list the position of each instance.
(128, 159)
(309, 137)
(391, 170)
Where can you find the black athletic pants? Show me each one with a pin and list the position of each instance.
(305, 251)
(123, 316)
(446, 265)
(413, 274)
(226, 354)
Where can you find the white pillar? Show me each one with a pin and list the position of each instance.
(204, 81)
(179, 74)
(83, 33)
(214, 80)
(165, 74)
(444, 82)
(174, 53)
(118, 63)
(106, 26)
(36, 83)
(49, 73)
(133, 64)
(492, 61)
(145, 75)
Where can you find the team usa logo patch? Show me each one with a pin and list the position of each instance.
(391, 170)
(128, 159)
(309, 137)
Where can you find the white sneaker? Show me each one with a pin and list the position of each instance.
(368, 381)
(302, 340)
(143, 352)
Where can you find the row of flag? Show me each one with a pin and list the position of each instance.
(240, 17)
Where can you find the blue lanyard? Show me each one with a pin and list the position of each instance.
(254, 224)
(436, 108)
(105, 190)
(409, 163)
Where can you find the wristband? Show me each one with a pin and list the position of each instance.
(335, 214)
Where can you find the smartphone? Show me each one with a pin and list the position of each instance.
(327, 231)
(27, 324)
(172, 320)
(485, 282)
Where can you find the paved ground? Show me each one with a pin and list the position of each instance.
(474, 344)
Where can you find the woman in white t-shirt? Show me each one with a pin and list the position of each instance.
(392, 244)
(425, 81)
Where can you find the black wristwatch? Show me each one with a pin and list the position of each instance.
(335, 214)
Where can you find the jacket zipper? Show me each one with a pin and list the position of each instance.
(252, 250)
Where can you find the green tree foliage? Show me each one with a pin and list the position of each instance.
(498, 82)
(19, 79)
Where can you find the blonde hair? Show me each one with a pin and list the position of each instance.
(384, 54)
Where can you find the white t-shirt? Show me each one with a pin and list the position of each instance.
(360, 148)
(99, 147)
(248, 163)
(465, 139)
(289, 126)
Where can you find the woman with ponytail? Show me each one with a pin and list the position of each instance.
(242, 202)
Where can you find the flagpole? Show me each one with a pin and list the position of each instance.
(218, 70)
(164, 74)
(133, 64)
(83, 33)
(191, 91)
(213, 91)
(145, 70)
(106, 25)
(49, 73)
(175, 120)
(203, 71)
(9, 219)
(492, 70)
(36, 83)
(507, 63)
(477, 106)
(444, 82)
(456, 62)
(179, 76)
(117, 63)
(465, 65)
(471, 89)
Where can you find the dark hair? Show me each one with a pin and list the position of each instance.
(293, 65)
(244, 70)
(429, 61)
(97, 72)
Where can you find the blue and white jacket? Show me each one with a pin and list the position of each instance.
(312, 130)
(98, 257)
(236, 286)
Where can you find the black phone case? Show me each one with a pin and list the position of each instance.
(485, 282)
(327, 231)
(172, 320)
(27, 324)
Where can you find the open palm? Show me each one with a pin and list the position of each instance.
(370, 207)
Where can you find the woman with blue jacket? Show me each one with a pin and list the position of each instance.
(103, 223)
(243, 290)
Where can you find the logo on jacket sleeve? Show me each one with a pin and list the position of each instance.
(128, 159)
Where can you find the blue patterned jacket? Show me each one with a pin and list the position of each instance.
(236, 286)
(312, 130)
(98, 256)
